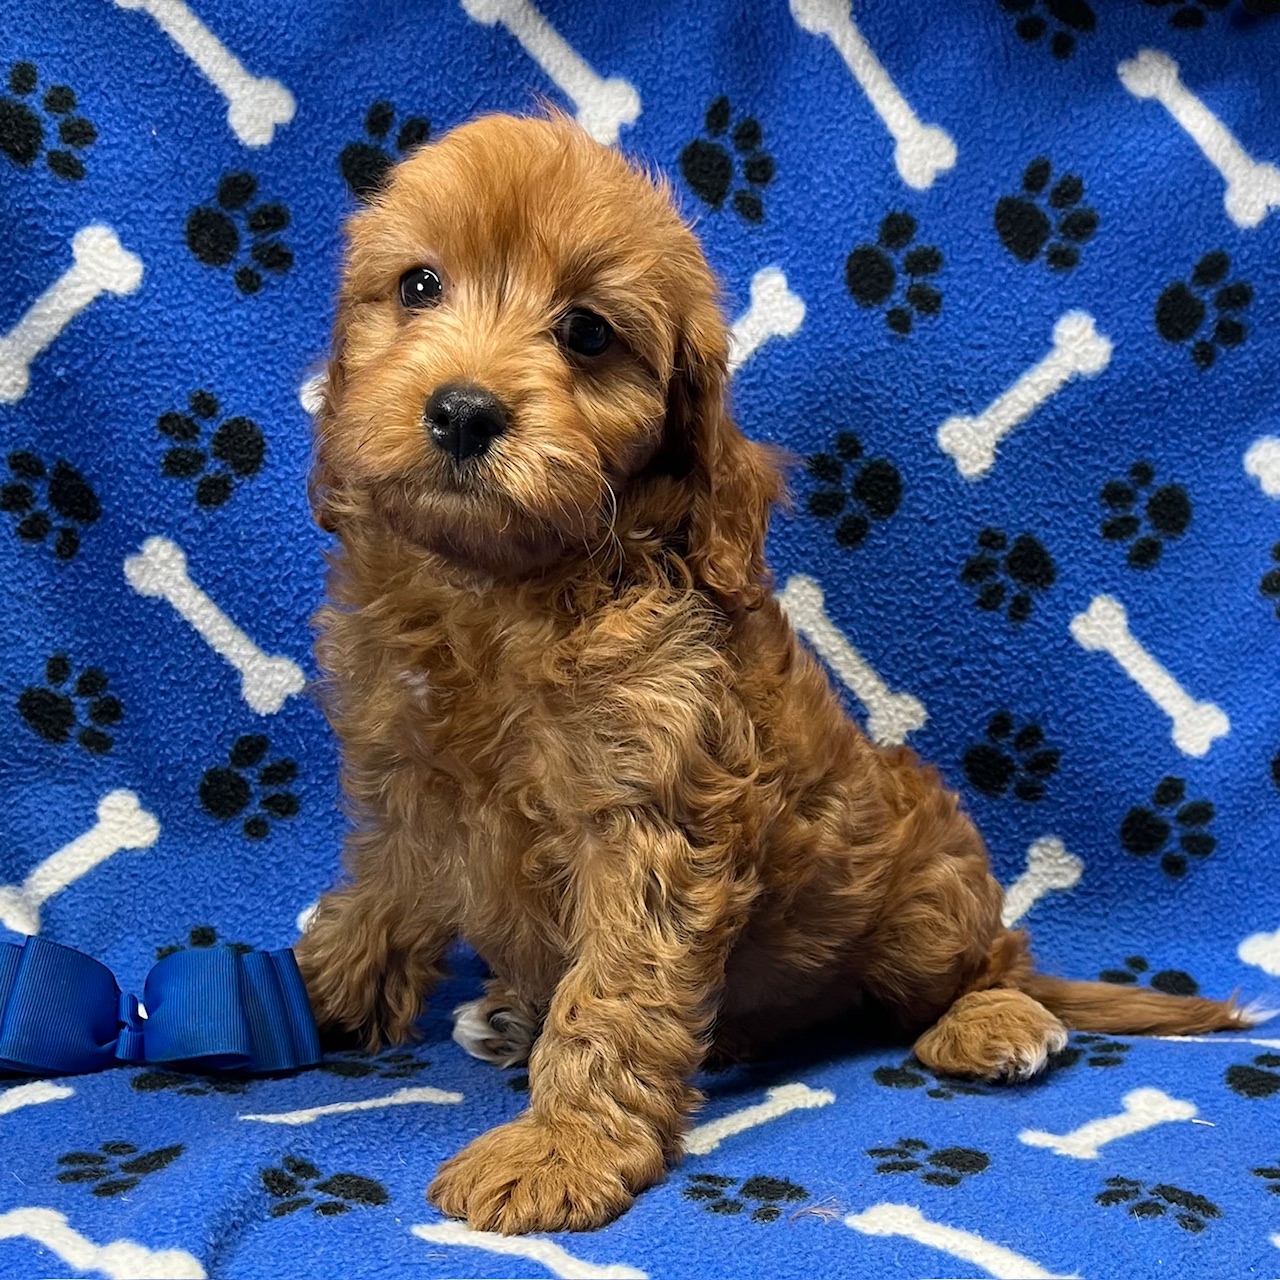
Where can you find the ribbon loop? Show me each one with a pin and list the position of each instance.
(61, 1012)
(220, 1010)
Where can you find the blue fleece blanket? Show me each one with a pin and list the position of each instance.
(1005, 274)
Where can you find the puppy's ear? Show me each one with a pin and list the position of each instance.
(326, 492)
(323, 487)
(735, 481)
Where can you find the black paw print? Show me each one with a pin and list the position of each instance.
(192, 1086)
(1270, 588)
(872, 277)
(237, 444)
(1257, 1081)
(364, 165)
(1271, 1173)
(225, 792)
(295, 1183)
(1167, 509)
(1193, 1212)
(1145, 831)
(66, 493)
(108, 1169)
(1069, 15)
(1025, 228)
(876, 489)
(1188, 16)
(1181, 311)
(52, 712)
(999, 568)
(912, 1074)
(214, 238)
(22, 131)
(708, 167)
(951, 1165)
(200, 938)
(714, 1192)
(1097, 1051)
(1173, 982)
(991, 767)
(396, 1065)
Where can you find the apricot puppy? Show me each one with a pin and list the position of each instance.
(577, 730)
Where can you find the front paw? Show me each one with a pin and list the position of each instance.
(538, 1175)
(355, 988)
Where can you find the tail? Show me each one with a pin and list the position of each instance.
(1105, 1006)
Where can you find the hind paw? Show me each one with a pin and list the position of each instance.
(993, 1035)
(493, 1031)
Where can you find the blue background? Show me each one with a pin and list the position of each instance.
(163, 145)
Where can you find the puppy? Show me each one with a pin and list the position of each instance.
(577, 729)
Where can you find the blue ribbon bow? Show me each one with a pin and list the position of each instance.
(61, 1012)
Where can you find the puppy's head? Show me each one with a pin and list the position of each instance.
(529, 351)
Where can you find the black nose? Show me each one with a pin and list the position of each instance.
(463, 418)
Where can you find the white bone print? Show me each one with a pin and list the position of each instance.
(1079, 350)
(906, 1220)
(33, 1094)
(1261, 949)
(255, 104)
(117, 1259)
(775, 312)
(122, 824)
(401, 1098)
(781, 1100)
(1253, 1013)
(1105, 625)
(160, 569)
(604, 106)
(890, 716)
(923, 150)
(1262, 462)
(1253, 188)
(101, 264)
(1049, 867)
(1143, 1109)
(546, 1253)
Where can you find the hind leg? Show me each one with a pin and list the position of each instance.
(994, 1034)
(499, 1028)
(942, 956)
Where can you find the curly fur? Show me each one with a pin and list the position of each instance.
(577, 729)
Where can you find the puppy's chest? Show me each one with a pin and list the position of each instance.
(475, 707)
(538, 711)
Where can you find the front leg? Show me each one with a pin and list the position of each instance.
(369, 962)
(372, 952)
(627, 1026)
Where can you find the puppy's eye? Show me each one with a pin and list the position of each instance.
(585, 333)
(419, 289)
